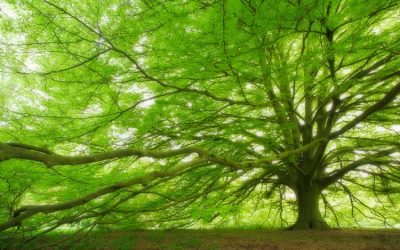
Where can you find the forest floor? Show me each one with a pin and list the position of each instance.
(229, 239)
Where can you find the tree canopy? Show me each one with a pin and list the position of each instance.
(160, 114)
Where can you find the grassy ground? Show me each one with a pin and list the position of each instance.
(232, 239)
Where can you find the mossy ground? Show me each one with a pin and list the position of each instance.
(227, 239)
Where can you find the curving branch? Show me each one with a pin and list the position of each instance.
(26, 212)
(50, 159)
(92, 58)
(388, 98)
(375, 158)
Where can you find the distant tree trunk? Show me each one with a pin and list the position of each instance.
(308, 214)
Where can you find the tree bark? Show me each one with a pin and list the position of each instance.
(308, 214)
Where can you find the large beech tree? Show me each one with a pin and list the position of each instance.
(171, 102)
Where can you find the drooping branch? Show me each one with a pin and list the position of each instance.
(29, 211)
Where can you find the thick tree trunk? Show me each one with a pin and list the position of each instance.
(308, 214)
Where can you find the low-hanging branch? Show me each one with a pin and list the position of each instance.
(26, 212)
(270, 102)
(50, 159)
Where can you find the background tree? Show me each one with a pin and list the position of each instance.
(193, 107)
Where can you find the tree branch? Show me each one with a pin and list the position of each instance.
(371, 159)
(50, 159)
(389, 97)
(29, 211)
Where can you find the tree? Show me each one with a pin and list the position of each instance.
(199, 97)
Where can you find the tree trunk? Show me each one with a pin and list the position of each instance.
(308, 214)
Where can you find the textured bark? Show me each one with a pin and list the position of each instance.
(308, 214)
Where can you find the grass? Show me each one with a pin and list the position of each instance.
(228, 239)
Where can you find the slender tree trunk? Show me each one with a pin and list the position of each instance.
(308, 214)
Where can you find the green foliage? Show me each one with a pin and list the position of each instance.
(293, 92)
